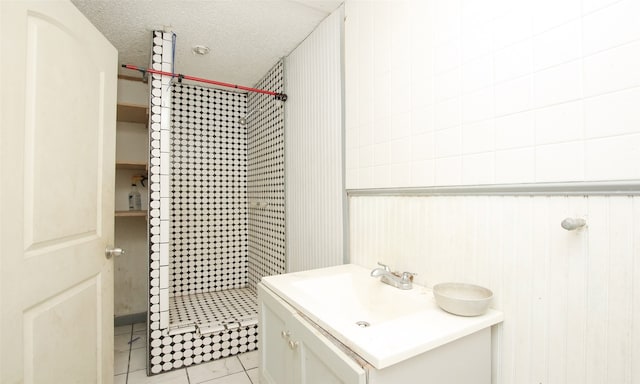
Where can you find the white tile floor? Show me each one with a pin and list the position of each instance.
(130, 359)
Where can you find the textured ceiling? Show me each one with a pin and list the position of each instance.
(246, 37)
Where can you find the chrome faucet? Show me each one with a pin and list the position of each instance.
(402, 280)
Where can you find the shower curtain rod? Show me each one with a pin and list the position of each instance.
(278, 96)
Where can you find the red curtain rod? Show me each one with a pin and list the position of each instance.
(278, 96)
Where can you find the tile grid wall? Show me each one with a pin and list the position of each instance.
(172, 349)
(265, 183)
(452, 92)
(208, 191)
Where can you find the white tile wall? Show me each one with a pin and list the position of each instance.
(513, 61)
(557, 84)
(381, 153)
(558, 45)
(514, 131)
(548, 14)
(588, 6)
(530, 74)
(512, 22)
(612, 70)
(478, 105)
(448, 142)
(477, 74)
(448, 170)
(613, 113)
(515, 166)
(478, 137)
(513, 96)
(611, 26)
(558, 123)
(478, 169)
(422, 146)
(617, 157)
(447, 113)
(560, 162)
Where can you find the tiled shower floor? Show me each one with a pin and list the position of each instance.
(130, 361)
(209, 308)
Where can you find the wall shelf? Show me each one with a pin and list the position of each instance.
(142, 213)
(133, 113)
(131, 166)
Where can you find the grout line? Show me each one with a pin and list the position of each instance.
(129, 359)
(247, 373)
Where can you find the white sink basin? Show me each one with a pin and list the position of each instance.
(356, 297)
(401, 323)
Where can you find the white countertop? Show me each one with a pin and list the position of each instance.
(403, 323)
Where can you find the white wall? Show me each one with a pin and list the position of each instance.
(465, 93)
(313, 140)
(452, 92)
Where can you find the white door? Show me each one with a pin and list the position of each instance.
(57, 146)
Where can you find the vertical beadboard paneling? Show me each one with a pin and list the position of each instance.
(314, 188)
(635, 299)
(620, 293)
(569, 297)
(524, 258)
(577, 296)
(597, 291)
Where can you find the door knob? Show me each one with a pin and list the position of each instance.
(110, 252)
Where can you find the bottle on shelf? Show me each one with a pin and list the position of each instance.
(135, 201)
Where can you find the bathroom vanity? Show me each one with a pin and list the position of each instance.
(339, 325)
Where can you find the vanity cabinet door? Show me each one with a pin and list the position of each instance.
(292, 351)
(276, 357)
(319, 360)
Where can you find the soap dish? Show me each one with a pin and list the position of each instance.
(462, 299)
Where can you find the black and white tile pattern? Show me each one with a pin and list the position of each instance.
(208, 191)
(208, 250)
(184, 349)
(130, 357)
(159, 168)
(265, 143)
(209, 309)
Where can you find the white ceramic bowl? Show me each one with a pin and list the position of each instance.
(462, 299)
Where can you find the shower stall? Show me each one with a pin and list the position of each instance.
(216, 216)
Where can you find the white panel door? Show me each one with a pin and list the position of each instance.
(57, 148)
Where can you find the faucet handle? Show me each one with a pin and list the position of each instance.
(408, 276)
(386, 267)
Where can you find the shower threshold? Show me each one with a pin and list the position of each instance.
(211, 312)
